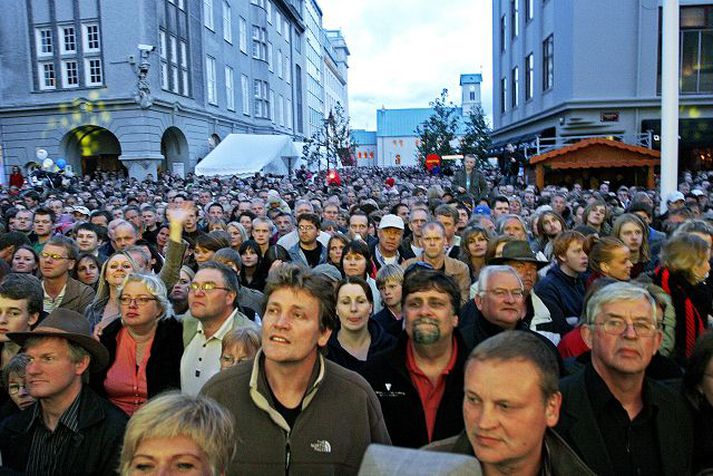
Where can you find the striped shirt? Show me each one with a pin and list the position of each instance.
(48, 448)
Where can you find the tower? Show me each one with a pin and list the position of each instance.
(470, 91)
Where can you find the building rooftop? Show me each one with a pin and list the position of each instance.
(474, 78)
(403, 122)
(364, 137)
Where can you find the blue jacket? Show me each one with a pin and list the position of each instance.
(562, 292)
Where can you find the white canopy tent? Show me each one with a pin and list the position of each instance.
(245, 154)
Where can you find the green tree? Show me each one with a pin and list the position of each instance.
(437, 132)
(476, 140)
(332, 143)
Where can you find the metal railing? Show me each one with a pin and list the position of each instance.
(546, 144)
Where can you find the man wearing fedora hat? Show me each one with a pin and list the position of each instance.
(70, 429)
(540, 315)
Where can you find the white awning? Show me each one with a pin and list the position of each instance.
(245, 154)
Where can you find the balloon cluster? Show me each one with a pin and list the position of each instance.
(49, 165)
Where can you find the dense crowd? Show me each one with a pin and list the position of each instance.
(538, 331)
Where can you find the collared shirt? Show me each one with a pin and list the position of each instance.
(429, 393)
(48, 448)
(384, 260)
(201, 358)
(50, 304)
(632, 444)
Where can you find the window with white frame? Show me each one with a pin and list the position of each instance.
(211, 80)
(515, 89)
(227, 22)
(262, 102)
(70, 74)
(45, 45)
(548, 63)
(515, 17)
(286, 30)
(288, 114)
(184, 68)
(503, 94)
(268, 9)
(529, 9)
(280, 112)
(243, 32)
(279, 63)
(245, 90)
(208, 14)
(259, 43)
(270, 57)
(47, 76)
(230, 88)
(281, 107)
(68, 40)
(92, 43)
(163, 56)
(286, 68)
(529, 76)
(278, 22)
(272, 105)
(93, 71)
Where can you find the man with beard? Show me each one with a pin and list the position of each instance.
(420, 381)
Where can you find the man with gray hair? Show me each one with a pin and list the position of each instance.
(616, 419)
(511, 403)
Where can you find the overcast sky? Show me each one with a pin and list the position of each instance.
(403, 52)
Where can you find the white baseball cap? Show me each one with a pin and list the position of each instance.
(391, 221)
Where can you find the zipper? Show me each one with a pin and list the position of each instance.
(288, 456)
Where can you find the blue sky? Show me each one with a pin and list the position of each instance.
(403, 52)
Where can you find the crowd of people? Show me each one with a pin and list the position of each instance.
(282, 325)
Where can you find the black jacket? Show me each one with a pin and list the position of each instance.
(387, 322)
(163, 369)
(380, 341)
(579, 428)
(94, 450)
(400, 403)
(564, 293)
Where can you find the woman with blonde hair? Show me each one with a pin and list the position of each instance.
(145, 346)
(682, 274)
(104, 309)
(631, 229)
(176, 433)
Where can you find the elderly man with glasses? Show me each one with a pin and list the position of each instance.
(616, 419)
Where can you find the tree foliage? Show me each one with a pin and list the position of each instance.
(476, 140)
(332, 143)
(437, 132)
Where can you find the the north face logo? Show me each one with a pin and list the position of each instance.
(321, 446)
(388, 386)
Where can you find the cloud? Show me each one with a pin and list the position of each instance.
(403, 53)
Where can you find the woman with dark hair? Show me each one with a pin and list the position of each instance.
(162, 234)
(357, 337)
(246, 219)
(25, 260)
(251, 275)
(474, 246)
(335, 248)
(207, 244)
(608, 256)
(356, 261)
(698, 389)
(682, 274)
(630, 229)
(87, 270)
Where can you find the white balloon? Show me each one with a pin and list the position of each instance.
(41, 154)
(47, 164)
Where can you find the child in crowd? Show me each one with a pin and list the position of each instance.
(13, 378)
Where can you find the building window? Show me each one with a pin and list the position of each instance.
(268, 9)
(272, 105)
(259, 43)
(280, 111)
(208, 14)
(515, 13)
(278, 22)
(503, 94)
(503, 32)
(471, 93)
(298, 99)
(70, 74)
(184, 67)
(286, 30)
(92, 42)
(548, 63)
(262, 103)
(68, 36)
(286, 68)
(243, 32)
(529, 76)
(288, 114)
(298, 42)
(93, 71)
(279, 64)
(230, 88)
(211, 80)
(529, 9)
(270, 59)
(48, 78)
(227, 23)
(515, 90)
(45, 46)
(696, 50)
(244, 89)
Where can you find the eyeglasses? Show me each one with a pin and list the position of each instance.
(307, 228)
(206, 287)
(139, 301)
(54, 256)
(14, 388)
(617, 327)
(502, 293)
